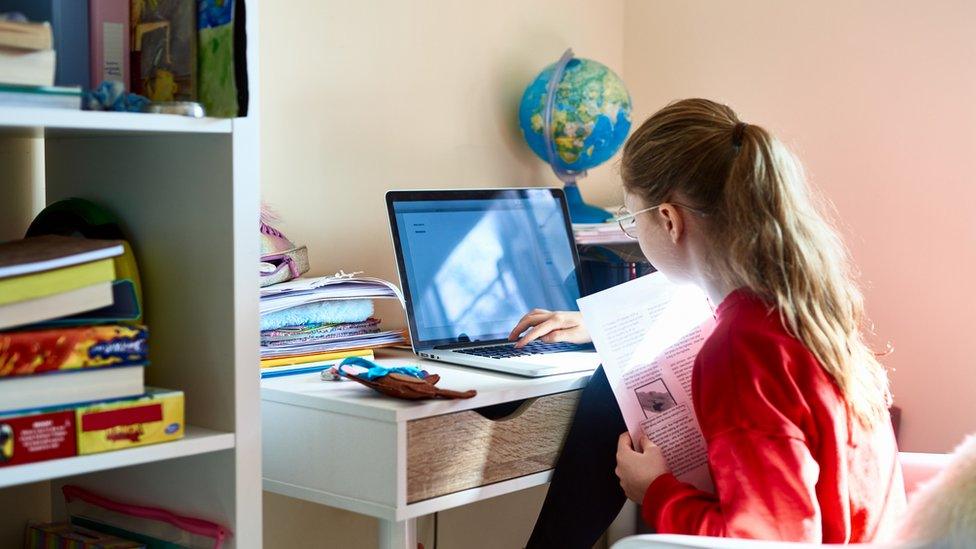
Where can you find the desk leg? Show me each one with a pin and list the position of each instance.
(398, 535)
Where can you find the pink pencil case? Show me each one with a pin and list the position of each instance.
(151, 525)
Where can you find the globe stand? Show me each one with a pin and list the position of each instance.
(579, 211)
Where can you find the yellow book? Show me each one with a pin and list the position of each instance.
(321, 357)
(47, 283)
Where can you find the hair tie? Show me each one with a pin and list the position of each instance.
(737, 131)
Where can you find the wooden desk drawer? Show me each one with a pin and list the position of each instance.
(454, 452)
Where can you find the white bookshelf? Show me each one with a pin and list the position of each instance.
(197, 441)
(186, 192)
(41, 122)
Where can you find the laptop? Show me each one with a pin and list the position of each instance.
(473, 262)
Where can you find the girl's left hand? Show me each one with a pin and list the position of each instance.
(637, 469)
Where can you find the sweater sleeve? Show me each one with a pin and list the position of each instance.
(753, 417)
(765, 489)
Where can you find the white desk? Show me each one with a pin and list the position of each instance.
(342, 445)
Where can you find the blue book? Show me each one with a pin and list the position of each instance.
(69, 24)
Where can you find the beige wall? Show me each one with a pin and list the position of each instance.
(358, 97)
(879, 99)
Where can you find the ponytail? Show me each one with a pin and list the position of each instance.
(765, 234)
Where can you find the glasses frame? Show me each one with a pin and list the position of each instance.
(621, 216)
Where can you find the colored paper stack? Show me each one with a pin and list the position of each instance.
(308, 324)
(72, 354)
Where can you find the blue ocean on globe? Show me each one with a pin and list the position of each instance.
(590, 118)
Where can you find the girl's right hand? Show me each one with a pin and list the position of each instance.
(550, 327)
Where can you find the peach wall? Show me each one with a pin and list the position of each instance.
(878, 98)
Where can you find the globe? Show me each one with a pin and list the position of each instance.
(575, 115)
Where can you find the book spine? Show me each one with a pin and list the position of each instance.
(37, 437)
(40, 351)
(109, 38)
(104, 427)
(70, 25)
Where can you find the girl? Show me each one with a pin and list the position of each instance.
(792, 402)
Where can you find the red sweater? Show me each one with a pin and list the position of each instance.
(787, 462)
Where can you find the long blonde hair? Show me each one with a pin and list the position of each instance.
(765, 233)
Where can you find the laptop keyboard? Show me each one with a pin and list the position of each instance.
(533, 348)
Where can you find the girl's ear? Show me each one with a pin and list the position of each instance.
(673, 220)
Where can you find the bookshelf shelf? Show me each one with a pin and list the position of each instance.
(46, 122)
(197, 441)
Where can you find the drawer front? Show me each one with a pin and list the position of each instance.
(454, 452)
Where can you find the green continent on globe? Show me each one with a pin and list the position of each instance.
(587, 92)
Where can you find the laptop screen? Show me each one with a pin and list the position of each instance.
(472, 263)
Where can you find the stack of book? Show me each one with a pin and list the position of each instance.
(27, 68)
(600, 233)
(72, 358)
(308, 324)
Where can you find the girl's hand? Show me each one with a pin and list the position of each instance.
(550, 327)
(637, 469)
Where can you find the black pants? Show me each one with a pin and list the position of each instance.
(585, 495)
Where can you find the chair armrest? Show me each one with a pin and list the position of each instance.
(918, 468)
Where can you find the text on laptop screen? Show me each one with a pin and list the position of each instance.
(474, 267)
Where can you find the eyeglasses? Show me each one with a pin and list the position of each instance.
(628, 220)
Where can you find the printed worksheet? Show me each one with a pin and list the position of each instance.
(648, 332)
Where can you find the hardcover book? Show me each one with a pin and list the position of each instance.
(164, 49)
(69, 387)
(57, 281)
(222, 57)
(109, 34)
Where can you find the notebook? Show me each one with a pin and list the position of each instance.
(43, 253)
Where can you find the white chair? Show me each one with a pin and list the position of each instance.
(917, 468)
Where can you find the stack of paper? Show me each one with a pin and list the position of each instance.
(319, 320)
(302, 291)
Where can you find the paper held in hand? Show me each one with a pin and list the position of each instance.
(648, 332)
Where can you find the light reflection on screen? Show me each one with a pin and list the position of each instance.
(474, 267)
